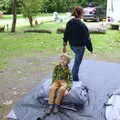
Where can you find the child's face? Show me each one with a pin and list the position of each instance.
(63, 61)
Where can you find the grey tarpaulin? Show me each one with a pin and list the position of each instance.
(36, 101)
(112, 106)
(100, 77)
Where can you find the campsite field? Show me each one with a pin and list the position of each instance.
(28, 56)
(106, 46)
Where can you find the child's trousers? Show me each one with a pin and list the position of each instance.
(61, 85)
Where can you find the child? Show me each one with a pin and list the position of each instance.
(62, 78)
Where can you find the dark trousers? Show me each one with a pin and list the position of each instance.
(79, 53)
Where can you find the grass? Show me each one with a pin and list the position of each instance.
(10, 16)
(106, 46)
(25, 43)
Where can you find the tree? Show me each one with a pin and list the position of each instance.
(14, 15)
(31, 9)
(58, 5)
(46, 5)
(6, 6)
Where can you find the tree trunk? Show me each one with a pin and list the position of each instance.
(14, 15)
(30, 21)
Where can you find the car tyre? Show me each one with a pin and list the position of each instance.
(85, 20)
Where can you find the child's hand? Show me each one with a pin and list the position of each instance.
(64, 49)
(66, 93)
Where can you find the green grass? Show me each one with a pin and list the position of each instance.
(9, 16)
(106, 46)
(22, 43)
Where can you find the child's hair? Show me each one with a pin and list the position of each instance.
(67, 56)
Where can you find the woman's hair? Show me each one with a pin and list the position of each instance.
(78, 12)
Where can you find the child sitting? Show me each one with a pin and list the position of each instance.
(62, 79)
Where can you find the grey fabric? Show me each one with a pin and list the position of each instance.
(112, 106)
(100, 77)
(78, 94)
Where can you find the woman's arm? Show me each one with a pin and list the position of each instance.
(87, 39)
(65, 39)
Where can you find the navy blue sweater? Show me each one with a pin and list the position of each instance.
(77, 34)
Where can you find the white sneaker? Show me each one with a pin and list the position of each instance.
(77, 83)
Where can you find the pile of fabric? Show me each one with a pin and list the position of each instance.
(34, 104)
(112, 111)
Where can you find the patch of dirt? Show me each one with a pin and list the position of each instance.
(23, 74)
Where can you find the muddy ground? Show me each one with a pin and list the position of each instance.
(23, 74)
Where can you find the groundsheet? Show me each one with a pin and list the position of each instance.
(100, 77)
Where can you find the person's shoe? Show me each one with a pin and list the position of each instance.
(49, 109)
(56, 109)
(77, 83)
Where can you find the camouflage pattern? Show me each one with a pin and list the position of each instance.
(63, 73)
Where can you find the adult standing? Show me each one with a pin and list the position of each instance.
(76, 33)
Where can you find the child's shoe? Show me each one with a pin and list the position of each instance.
(49, 109)
(56, 109)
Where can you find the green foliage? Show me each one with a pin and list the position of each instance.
(31, 8)
(82, 2)
(45, 5)
(58, 5)
(85, 2)
(5, 5)
(67, 5)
